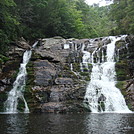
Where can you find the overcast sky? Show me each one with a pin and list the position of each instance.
(101, 2)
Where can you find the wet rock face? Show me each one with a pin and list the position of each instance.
(22, 43)
(14, 58)
(55, 88)
(8, 71)
(125, 69)
(130, 94)
(63, 81)
(9, 67)
(55, 82)
(59, 87)
(44, 73)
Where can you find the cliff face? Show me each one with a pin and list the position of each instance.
(54, 87)
(125, 69)
(55, 81)
(9, 68)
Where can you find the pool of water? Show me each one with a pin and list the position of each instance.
(106, 123)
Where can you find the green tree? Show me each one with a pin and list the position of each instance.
(9, 23)
(61, 17)
(34, 19)
(122, 12)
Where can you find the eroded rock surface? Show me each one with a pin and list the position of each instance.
(9, 69)
(55, 81)
(55, 87)
(125, 69)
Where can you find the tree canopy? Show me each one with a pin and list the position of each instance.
(122, 12)
(33, 19)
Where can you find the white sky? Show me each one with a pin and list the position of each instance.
(101, 2)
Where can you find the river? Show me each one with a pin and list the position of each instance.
(103, 123)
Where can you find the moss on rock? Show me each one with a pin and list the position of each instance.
(121, 84)
(122, 72)
(76, 67)
(119, 44)
(3, 97)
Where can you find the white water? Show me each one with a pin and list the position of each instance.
(101, 94)
(16, 92)
(86, 59)
(66, 46)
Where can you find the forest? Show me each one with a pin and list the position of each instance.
(34, 19)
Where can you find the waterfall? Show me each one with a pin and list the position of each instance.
(101, 93)
(16, 92)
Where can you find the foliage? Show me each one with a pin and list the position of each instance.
(9, 23)
(33, 19)
(3, 58)
(120, 84)
(122, 12)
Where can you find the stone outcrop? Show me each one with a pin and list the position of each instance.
(55, 88)
(55, 82)
(22, 43)
(9, 69)
(125, 69)
(59, 88)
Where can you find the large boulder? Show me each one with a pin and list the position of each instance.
(53, 43)
(22, 43)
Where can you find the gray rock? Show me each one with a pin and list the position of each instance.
(49, 42)
(48, 55)
(63, 81)
(53, 87)
(44, 73)
(22, 43)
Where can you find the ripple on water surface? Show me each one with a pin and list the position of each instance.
(105, 123)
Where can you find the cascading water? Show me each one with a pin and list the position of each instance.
(101, 94)
(16, 92)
